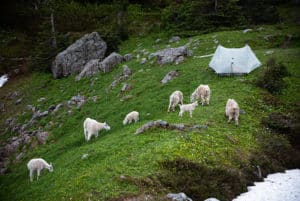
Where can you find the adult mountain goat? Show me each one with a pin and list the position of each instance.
(175, 98)
(232, 111)
(202, 92)
(92, 127)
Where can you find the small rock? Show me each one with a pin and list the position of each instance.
(18, 101)
(247, 30)
(158, 40)
(51, 108)
(174, 39)
(13, 95)
(40, 114)
(242, 111)
(169, 76)
(267, 37)
(57, 107)
(179, 197)
(10, 122)
(126, 70)
(123, 177)
(126, 87)
(42, 137)
(200, 127)
(94, 99)
(126, 98)
(143, 61)
(41, 99)
(211, 199)
(19, 156)
(26, 139)
(128, 57)
(84, 156)
(13, 147)
(269, 52)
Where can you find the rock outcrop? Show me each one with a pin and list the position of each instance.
(110, 62)
(95, 66)
(76, 56)
(170, 55)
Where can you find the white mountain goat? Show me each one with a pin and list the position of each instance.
(92, 127)
(188, 108)
(175, 98)
(202, 92)
(130, 117)
(232, 111)
(38, 164)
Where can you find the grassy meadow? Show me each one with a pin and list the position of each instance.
(119, 151)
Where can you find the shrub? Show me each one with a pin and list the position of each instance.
(272, 77)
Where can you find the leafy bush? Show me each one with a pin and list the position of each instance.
(272, 77)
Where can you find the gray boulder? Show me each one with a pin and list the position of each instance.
(169, 76)
(90, 69)
(170, 55)
(73, 59)
(110, 62)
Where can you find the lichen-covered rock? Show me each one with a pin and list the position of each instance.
(110, 62)
(73, 59)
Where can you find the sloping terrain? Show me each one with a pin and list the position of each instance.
(119, 152)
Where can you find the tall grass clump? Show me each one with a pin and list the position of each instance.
(272, 78)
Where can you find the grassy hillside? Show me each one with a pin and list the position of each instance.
(120, 152)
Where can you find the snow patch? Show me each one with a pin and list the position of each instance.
(276, 187)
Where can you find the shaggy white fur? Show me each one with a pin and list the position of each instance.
(38, 164)
(130, 117)
(188, 108)
(175, 98)
(232, 111)
(201, 93)
(92, 127)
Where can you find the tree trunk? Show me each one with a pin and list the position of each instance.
(216, 5)
(121, 15)
(53, 42)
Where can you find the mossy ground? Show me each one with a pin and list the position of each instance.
(120, 152)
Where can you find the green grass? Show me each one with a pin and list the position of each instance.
(120, 152)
